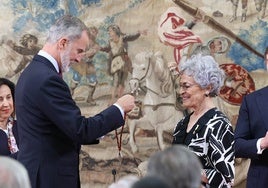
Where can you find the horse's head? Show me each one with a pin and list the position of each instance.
(141, 65)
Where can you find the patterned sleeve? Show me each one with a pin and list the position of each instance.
(221, 150)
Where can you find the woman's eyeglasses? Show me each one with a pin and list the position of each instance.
(186, 86)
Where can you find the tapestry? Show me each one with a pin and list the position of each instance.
(235, 32)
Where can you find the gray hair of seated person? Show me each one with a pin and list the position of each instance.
(150, 182)
(13, 174)
(177, 166)
(205, 71)
(124, 182)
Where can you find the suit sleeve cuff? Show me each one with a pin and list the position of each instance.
(121, 110)
(259, 150)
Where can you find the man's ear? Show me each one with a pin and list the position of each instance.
(62, 43)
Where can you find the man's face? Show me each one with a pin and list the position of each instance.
(74, 51)
(65, 59)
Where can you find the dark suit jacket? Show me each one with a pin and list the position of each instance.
(252, 124)
(51, 126)
(4, 150)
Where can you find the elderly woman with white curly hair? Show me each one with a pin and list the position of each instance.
(205, 130)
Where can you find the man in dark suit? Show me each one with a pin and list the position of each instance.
(251, 136)
(50, 124)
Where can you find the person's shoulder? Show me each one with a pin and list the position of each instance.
(2, 134)
(262, 90)
(221, 117)
(257, 92)
(3, 143)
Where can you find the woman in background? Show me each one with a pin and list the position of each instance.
(8, 128)
(205, 130)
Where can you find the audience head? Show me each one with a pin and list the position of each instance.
(150, 182)
(125, 182)
(13, 174)
(7, 97)
(177, 166)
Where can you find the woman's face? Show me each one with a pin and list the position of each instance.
(192, 95)
(6, 102)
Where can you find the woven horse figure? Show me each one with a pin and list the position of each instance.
(158, 105)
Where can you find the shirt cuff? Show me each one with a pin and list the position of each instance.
(259, 150)
(121, 110)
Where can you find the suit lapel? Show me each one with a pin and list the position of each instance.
(262, 105)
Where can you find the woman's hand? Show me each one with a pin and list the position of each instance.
(204, 177)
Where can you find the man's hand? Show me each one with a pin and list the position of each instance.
(126, 102)
(264, 141)
(204, 176)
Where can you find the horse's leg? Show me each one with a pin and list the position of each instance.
(160, 140)
(132, 129)
(120, 90)
(167, 126)
(126, 139)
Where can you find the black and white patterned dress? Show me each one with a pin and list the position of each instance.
(212, 140)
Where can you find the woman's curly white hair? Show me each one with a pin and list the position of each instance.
(205, 71)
